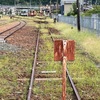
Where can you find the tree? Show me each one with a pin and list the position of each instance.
(74, 8)
(73, 11)
(11, 2)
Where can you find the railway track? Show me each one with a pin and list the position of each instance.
(5, 34)
(46, 75)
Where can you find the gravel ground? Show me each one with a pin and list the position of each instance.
(8, 47)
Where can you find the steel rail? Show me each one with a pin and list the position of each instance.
(33, 70)
(10, 28)
(18, 27)
(73, 86)
(13, 29)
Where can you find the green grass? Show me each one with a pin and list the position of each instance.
(87, 40)
(6, 20)
(84, 69)
(48, 90)
(13, 68)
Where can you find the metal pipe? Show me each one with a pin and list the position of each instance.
(19, 26)
(33, 70)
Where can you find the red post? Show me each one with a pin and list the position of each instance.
(64, 71)
(64, 79)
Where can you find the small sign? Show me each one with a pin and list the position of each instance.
(60, 51)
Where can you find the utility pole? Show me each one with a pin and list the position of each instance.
(78, 15)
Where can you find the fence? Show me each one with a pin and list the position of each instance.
(86, 22)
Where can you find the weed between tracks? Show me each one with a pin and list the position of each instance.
(47, 90)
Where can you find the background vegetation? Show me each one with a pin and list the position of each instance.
(95, 10)
(26, 2)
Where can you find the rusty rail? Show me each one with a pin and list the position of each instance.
(73, 86)
(12, 30)
(22, 24)
(33, 69)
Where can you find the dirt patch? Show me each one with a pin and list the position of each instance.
(2, 52)
(41, 22)
(24, 38)
(53, 30)
(47, 76)
(41, 18)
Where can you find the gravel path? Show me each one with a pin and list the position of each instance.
(8, 47)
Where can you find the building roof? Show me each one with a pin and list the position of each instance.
(67, 1)
(70, 1)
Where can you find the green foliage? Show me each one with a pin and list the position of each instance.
(95, 10)
(74, 8)
(5, 2)
(70, 13)
(24, 2)
(73, 11)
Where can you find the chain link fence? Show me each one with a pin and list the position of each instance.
(92, 24)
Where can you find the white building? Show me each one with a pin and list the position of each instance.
(66, 5)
